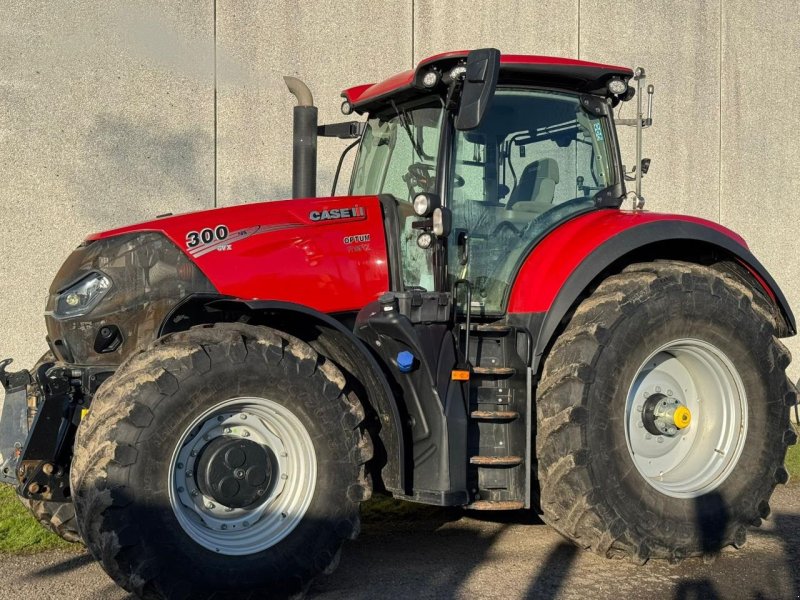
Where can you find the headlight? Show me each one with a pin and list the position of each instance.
(83, 296)
(424, 204)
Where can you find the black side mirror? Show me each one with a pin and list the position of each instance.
(480, 81)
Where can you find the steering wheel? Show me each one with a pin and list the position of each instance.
(420, 176)
(423, 176)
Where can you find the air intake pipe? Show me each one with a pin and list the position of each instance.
(304, 143)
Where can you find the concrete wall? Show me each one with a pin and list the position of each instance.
(108, 116)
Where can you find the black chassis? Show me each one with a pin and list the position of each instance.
(39, 416)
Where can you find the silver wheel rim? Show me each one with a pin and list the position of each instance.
(697, 459)
(241, 531)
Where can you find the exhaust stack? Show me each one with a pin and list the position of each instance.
(304, 142)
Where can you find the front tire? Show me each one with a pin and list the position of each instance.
(221, 460)
(618, 471)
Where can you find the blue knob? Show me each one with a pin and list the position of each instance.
(405, 361)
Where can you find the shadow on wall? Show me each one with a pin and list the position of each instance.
(134, 170)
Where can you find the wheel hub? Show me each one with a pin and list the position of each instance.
(235, 472)
(242, 475)
(663, 415)
(685, 381)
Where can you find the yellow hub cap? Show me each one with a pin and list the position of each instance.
(682, 417)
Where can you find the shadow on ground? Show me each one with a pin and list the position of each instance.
(408, 551)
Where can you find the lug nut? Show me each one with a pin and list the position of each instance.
(47, 469)
(195, 493)
(243, 417)
(210, 505)
(224, 527)
(179, 465)
(33, 488)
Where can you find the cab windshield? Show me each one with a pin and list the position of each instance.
(398, 156)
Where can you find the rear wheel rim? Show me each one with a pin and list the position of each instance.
(243, 531)
(695, 460)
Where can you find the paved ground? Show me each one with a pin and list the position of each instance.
(449, 556)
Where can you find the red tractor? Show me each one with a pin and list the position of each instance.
(479, 323)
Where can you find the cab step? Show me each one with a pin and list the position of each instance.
(494, 328)
(496, 461)
(494, 371)
(494, 415)
(496, 505)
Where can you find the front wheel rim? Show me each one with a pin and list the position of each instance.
(697, 377)
(252, 529)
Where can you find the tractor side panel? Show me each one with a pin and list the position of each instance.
(325, 253)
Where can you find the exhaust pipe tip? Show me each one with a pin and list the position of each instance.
(300, 91)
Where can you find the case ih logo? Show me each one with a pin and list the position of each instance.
(357, 212)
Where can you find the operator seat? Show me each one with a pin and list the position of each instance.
(536, 187)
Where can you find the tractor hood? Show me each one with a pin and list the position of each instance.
(325, 253)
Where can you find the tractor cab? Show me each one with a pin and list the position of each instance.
(537, 148)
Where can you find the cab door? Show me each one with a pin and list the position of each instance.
(537, 159)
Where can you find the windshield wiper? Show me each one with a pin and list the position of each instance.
(404, 121)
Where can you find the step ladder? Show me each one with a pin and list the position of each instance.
(499, 439)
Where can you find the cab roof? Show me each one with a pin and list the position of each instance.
(521, 69)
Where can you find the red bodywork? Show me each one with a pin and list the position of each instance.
(277, 251)
(553, 260)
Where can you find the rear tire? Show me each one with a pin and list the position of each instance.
(56, 517)
(595, 485)
(136, 509)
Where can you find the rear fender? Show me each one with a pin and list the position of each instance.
(569, 262)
